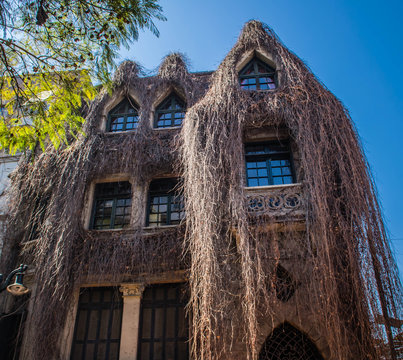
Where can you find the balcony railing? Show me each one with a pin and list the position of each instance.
(276, 201)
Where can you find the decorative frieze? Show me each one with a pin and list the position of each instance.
(275, 200)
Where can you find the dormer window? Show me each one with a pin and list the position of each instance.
(170, 112)
(257, 75)
(123, 117)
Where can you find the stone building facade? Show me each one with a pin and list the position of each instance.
(111, 243)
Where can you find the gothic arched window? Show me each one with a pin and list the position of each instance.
(123, 117)
(257, 75)
(287, 343)
(170, 112)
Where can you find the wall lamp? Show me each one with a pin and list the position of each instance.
(18, 288)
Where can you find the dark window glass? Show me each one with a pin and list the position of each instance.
(112, 205)
(166, 205)
(257, 75)
(170, 112)
(163, 332)
(98, 325)
(268, 164)
(124, 117)
(286, 342)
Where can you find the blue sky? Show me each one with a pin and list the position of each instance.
(354, 47)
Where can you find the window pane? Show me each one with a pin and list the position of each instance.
(262, 172)
(158, 351)
(81, 323)
(145, 351)
(114, 351)
(77, 351)
(159, 323)
(146, 328)
(170, 322)
(263, 182)
(116, 323)
(103, 333)
(101, 351)
(252, 173)
(288, 180)
(89, 351)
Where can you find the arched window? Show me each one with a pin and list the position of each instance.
(123, 117)
(257, 75)
(287, 343)
(170, 112)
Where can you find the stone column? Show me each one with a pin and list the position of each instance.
(130, 320)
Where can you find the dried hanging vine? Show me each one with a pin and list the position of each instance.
(352, 276)
(347, 270)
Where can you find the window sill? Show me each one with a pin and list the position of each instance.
(162, 227)
(261, 91)
(167, 128)
(271, 187)
(109, 133)
(110, 230)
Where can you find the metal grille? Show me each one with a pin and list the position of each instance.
(163, 332)
(98, 325)
(287, 343)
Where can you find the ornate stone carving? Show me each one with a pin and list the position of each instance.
(275, 201)
(132, 289)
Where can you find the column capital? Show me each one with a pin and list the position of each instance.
(132, 289)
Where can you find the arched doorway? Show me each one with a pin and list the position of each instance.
(288, 343)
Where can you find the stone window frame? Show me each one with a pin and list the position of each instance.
(137, 200)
